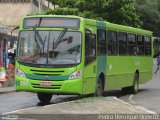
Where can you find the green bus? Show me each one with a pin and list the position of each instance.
(73, 55)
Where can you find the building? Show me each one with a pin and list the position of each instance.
(11, 13)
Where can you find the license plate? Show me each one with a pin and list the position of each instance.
(46, 84)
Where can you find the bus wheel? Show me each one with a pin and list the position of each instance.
(44, 97)
(135, 87)
(99, 88)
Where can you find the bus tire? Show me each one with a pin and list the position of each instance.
(126, 90)
(44, 97)
(99, 88)
(135, 87)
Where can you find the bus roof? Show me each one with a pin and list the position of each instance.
(127, 29)
(64, 16)
(107, 25)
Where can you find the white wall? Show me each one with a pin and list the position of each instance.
(11, 14)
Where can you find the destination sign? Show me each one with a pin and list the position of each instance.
(51, 22)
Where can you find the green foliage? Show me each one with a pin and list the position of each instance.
(123, 12)
(136, 13)
(115, 11)
(149, 11)
(63, 11)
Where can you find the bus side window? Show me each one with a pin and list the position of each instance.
(140, 45)
(147, 45)
(101, 42)
(90, 48)
(122, 39)
(112, 42)
(132, 44)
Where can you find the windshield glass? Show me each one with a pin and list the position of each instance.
(49, 47)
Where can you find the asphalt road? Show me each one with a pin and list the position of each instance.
(13, 101)
(21, 100)
(148, 96)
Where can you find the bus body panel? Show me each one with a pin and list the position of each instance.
(102, 59)
(89, 72)
(58, 87)
(121, 71)
(60, 83)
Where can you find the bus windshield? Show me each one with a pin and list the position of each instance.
(49, 47)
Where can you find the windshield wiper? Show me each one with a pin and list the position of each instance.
(59, 39)
(37, 33)
(39, 40)
(39, 37)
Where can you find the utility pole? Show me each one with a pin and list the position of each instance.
(40, 5)
(31, 2)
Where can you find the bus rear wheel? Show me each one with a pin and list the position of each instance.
(134, 88)
(44, 97)
(99, 88)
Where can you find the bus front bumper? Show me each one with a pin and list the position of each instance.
(55, 87)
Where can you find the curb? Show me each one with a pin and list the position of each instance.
(7, 90)
(138, 107)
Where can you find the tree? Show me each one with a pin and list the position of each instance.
(115, 11)
(149, 11)
(124, 12)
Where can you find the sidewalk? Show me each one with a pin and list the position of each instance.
(91, 105)
(92, 108)
(6, 90)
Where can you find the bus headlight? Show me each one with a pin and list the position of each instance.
(20, 73)
(75, 75)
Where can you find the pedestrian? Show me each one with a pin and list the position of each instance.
(158, 63)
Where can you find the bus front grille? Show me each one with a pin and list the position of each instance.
(47, 72)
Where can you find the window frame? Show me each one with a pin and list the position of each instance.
(146, 47)
(91, 58)
(112, 44)
(132, 46)
(140, 45)
(122, 44)
(101, 44)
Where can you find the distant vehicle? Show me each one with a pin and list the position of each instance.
(156, 45)
(75, 55)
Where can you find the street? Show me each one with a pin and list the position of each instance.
(13, 101)
(148, 97)
(21, 100)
